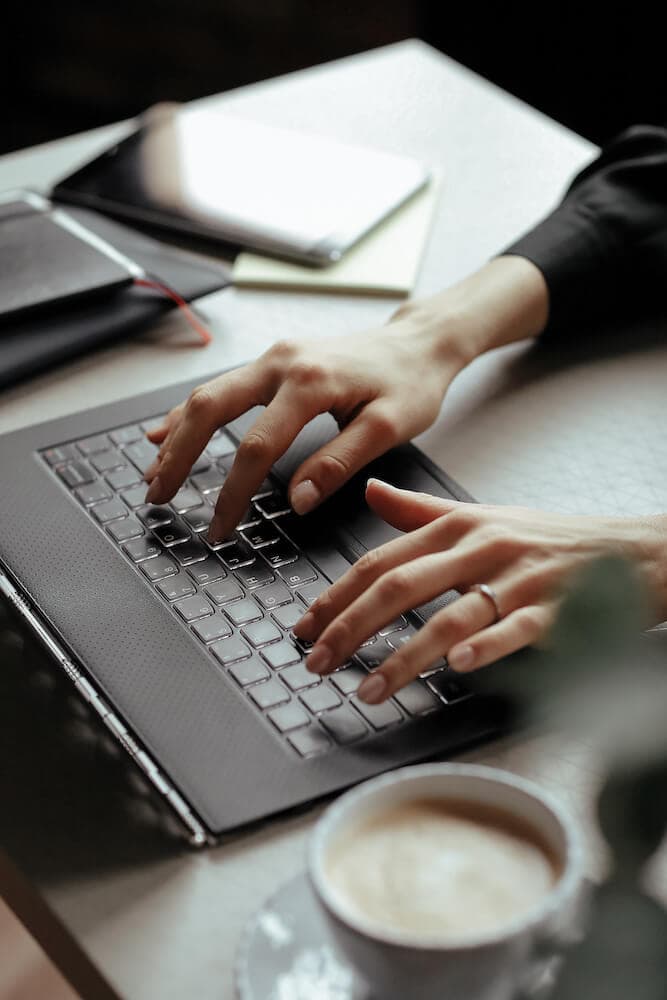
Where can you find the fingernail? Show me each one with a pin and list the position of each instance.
(305, 496)
(305, 627)
(319, 660)
(373, 689)
(461, 658)
(154, 490)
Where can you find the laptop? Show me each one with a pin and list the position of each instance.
(185, 651)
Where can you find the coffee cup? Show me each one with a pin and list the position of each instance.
(447, 881)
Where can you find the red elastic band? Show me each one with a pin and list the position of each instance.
(159, 286)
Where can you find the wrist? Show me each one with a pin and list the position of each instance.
(505, 301)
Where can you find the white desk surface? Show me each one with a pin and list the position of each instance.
(585, 436)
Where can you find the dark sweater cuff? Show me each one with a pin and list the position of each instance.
(567, 248)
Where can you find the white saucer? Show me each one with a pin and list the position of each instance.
(286, 953)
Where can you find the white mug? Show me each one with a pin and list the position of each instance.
(492, 967)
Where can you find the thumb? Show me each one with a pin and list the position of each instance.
(405, 509)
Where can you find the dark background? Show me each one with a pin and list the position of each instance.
(81, 63)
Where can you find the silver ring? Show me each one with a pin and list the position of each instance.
(487, 591)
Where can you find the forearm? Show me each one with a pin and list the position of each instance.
(506, 300)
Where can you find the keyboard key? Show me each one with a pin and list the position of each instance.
(448, 687)
(189, 552)
(192, 608)
(312, 591)
(153, 516)
(219, 445)
(175, 587)
(250, 517)
(224, 591)
(127, 527)
(348, 680)
(199, 519)
(263, 489)
(64, 453)
(320, 698)
(374, 654)
(76, 474)
(201, 465)
(109, 510)
(159, 568)
(379, 716)
(309, 741)
(269, 694)
(399, 639)
(207, 571)
(417, 699)
(142, 548)
(126, 475)
(280, 654)
(395, 626)
(298, 573)
(288, 615)
(343, 724)
(260, 535)
(105, 460)
(297, 677)
(210, 629)
(288, 717)
(241, 612)
(262, 632)
(142, 454)
(274, 505)
(171, 534)
(210, 480)
(249, 672)
(90, 445)
(92, 493)
(272, 595)
(126, 435)
(153, 423)
(135, 497)
(186, 499)
(230, 650)
(236, 555)
(280, 554)
(255, 575)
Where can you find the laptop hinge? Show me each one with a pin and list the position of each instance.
(194, 830)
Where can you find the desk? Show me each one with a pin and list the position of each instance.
(512, 430)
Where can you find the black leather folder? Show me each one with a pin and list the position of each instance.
(41, 341)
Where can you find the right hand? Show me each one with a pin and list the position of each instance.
(382, 388)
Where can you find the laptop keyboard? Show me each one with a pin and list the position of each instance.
(240, 599)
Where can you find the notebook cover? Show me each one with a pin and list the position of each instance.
(37, 343)
(386, 262)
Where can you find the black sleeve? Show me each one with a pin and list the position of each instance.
(607, 240)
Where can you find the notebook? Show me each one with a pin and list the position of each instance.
(386, 262)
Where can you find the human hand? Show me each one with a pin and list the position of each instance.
(525, 555)
(382, 388)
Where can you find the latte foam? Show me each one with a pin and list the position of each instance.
(438, 869)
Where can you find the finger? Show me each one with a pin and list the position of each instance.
(162, 435)
(401, 588)
(438, 536)
(369, 435)
(451, 625)
(210, 406)
(405, 509)
(520, 628)
(268, 439)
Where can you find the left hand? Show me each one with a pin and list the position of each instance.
(525, 555)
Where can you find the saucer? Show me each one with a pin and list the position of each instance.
(286, 952)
